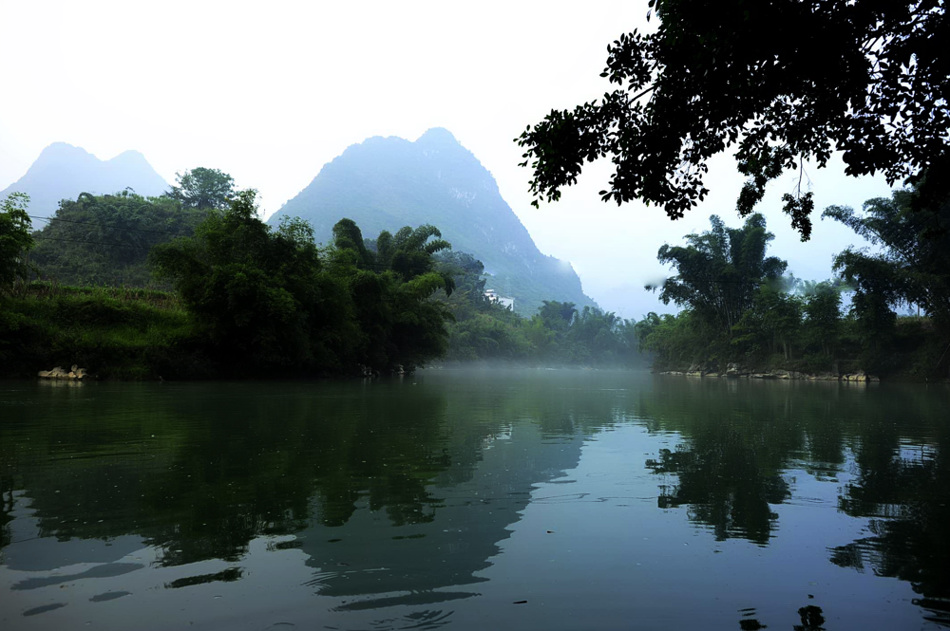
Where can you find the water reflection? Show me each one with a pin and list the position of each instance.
(902, 488)
(722, 481)
(737, 443)
(390, 492)
(409, 561)
(401, 496)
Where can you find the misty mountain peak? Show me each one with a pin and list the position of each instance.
(385, 183)
(438, 136)
(63, 151)
(130, 155)
(130, 161)
(63, 171)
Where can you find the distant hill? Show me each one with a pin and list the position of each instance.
(63, 172)
(388, 183)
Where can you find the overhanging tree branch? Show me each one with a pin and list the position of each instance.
(786, 80)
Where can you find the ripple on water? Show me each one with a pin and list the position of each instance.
(43, 609)
(98, 598)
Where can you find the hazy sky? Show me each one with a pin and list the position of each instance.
(270, 92)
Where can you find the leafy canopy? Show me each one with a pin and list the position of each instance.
(914, 259)
(391, 284)
(261, 295)
(720, 271)
(203, 189)
(15, 239)
(780, 81)
(105, 239)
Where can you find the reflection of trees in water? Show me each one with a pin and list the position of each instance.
(738, 438)
(6, 508)
(737, 442)
(9, 463)
(902, 488)
(425, 480)
(722, 482)
(203, 470)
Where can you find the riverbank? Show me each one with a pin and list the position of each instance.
(736, 372)
(115, 333)
(914, 349)
(134, 334)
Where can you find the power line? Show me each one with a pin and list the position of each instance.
(97, 223)
(100, 243)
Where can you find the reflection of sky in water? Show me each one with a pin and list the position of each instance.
(915, 453)
(142, 598)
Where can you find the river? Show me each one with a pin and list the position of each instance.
(475, 499)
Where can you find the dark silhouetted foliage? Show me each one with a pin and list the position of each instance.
(781, 82)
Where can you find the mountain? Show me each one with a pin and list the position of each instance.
(388, 183)
(63, 172)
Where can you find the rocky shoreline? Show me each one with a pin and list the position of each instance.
(734, 371)
(58, 373)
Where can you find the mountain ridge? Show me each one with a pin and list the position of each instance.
(64, 171)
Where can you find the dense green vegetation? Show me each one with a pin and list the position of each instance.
(270, 300)
(15, 240)
(911, 266)
(202, 189)
(252, 299)
(559, 334)
(736, 309)
(114, 332)
(104, 240)
(210, 291)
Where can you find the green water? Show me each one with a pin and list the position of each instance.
(475, 500)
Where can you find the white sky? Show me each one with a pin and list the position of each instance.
(271, 91)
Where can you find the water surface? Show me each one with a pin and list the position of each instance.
(465, 499)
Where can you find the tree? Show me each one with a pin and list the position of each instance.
(720, 271)
(391, 287)
(676, 341)
(467, 274)
(822, 325)
(105, 239)
(773, 320)
(262, 296)
(16, 239)
(410, 253)
(912, 265)
(203, 188)
(557, 316)
(781, 81)
(601, 337)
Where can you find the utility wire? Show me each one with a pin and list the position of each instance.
(97, 223)
(100, 243)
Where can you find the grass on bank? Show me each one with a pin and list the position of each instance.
(112, 332)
